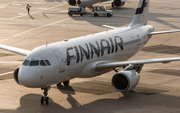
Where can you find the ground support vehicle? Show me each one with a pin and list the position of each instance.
(101, 11)
(77, 11)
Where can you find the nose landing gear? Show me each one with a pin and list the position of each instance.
(45, 98)
(65, 83)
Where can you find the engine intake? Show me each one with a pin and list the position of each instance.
(79, 1)
(124, 81)
(16, 73)
(118, 3)
(72, 2)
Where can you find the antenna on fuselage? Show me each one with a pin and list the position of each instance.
(46, 43)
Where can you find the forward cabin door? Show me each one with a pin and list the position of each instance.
(61, 60)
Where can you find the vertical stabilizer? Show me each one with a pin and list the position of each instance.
(141, 15)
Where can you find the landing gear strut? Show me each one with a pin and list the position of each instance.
(65, 83)
(45, 98)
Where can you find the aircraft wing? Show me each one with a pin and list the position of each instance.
(163, 32)
(15, 50)
(102, 66)
(112, 27)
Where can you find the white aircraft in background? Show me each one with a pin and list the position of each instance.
(90, 56)
(87, 3)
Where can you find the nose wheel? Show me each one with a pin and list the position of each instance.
(45, 98)
(65, 83)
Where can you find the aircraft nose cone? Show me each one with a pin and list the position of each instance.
(79, 1)
(26, 78)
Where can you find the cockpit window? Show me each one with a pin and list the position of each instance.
(47, 62)
(34, 63)
(42, 63)
(26, 62)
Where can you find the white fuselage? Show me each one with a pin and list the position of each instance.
(76, 57)
(87, 3)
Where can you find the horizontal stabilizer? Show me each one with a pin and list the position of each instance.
(109, 26)
(15, 50)
(163, 32)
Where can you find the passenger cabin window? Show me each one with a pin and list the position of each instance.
(47, 62)
(26, 62)
(34, 63)
(42, 63)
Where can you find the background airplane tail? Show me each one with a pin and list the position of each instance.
(141, 15)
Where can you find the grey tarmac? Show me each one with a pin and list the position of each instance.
(158, 90)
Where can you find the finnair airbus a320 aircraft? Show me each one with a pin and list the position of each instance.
(90, 56)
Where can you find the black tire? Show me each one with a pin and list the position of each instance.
(66, 83)
(59, 84)
(42, 100)
(47, 100)
(95, 14)
(108, 15)
(81, 14)
(70, 14)
(112, 4)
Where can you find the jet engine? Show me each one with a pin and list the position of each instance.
(125, 80)
(16, 73)
(118, 3)
(72, 2)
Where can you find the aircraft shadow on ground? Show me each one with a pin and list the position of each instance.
(170, 72)
(94, 87)
(165, 49)
(30, 103)
(118, 19)
(124, 16)
(141, 97)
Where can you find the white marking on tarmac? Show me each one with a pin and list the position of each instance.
(42, 8)
(38, 3)
(5, 5)
(6, 73)
(37, 11)
(16, 4)
(21, 13)
(64, 11)
(1, 7)
(4, 18)
(13, 62)
(35, 29)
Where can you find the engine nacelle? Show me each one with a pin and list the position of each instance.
(118, 3)
(124, 80)
(16, 73)
(72, 2)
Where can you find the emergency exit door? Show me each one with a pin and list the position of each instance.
(61, 61)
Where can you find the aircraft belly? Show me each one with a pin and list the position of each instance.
(86, 3)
